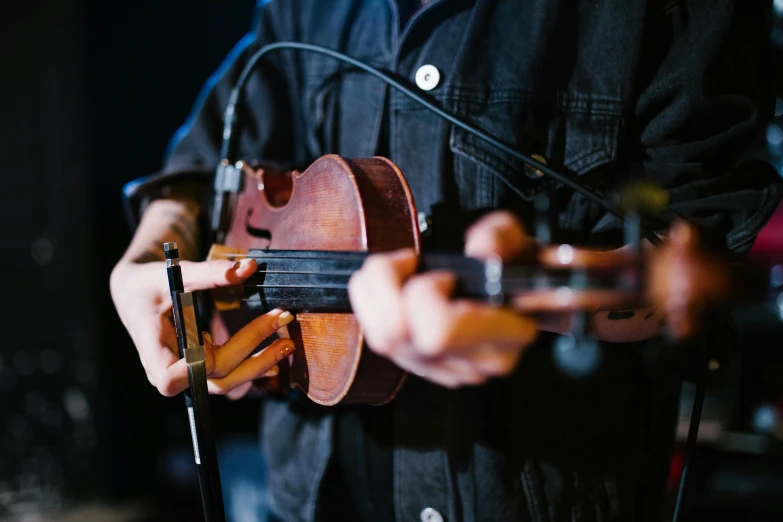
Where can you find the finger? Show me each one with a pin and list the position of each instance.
(209, 352)
(374, 292)
(555, 322)
(253, 367)
(450, 373)
(493, 361)
(565, 299)
(168, 334)
(158, 353)
(427, 310)
(169, 373)
(438, 325)
(684, 234)
(567, 256)
(472, 368)
(242, 390)
(173, 379)
(455, 371)
(497, 234)
(211, 274)
(241, 344)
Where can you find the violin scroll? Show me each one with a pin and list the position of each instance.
(685, 279)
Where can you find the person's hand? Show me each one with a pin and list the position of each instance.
(141, 296)
(412, 320)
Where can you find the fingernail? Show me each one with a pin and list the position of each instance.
(243, 263)
(284, 318)
(207, 337)
(681, 233)
(286, 350)
(273, 371)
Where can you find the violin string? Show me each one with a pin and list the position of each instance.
(520, 285)
(344, 256)
(303, 272)
(277, 302)
(333, 256)
(536, 274)
(480, 280)
(281, 300)
(324, 287)
(463, 277)
(468, 278)
(554, 271)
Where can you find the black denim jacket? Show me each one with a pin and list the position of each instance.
(673, 91)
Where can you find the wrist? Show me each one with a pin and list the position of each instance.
(166, 220)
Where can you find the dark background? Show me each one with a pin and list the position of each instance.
(90, 94)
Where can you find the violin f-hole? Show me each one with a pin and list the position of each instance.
(258, 233)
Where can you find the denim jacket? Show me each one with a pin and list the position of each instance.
(672, 91)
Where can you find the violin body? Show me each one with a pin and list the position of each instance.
(337, 204)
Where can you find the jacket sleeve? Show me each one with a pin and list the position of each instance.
(265, 127)
(704, 93)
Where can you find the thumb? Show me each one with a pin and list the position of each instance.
(211, 274)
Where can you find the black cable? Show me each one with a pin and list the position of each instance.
(693, 435)
(230, 122)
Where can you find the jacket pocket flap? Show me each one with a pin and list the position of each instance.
(580, 142)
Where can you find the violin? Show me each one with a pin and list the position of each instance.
(310, 231)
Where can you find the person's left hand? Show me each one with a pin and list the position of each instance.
(412, 320)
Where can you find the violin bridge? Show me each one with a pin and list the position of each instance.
(223, 299)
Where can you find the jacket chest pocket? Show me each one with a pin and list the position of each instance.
(579, 137)
(342, 108)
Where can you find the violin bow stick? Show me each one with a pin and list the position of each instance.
(191, 348)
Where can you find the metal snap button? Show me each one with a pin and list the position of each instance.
(427, 77)
(430, 515)
(533, 172)
(424, 223)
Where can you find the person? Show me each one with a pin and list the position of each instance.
(487, 427)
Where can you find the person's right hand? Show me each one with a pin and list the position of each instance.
(141, 295)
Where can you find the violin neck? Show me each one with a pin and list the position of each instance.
(317, 281)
